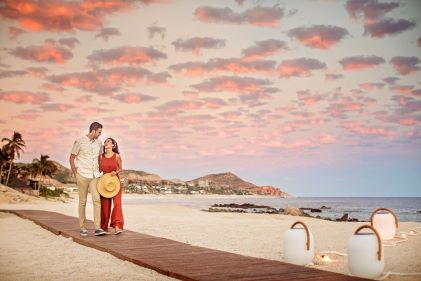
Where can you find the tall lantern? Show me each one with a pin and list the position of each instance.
(365, 257)
(298, 245)
(386, 223)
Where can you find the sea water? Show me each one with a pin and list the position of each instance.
(406, 208)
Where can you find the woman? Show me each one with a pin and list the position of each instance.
(110, 162)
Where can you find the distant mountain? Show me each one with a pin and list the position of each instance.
(135, 176)
(229, 181)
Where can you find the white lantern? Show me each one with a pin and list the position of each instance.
(365, 253)
(298, 245)
(386, 223)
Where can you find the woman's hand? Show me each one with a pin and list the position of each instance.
(113, 173)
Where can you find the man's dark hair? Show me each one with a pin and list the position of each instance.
(94, 126)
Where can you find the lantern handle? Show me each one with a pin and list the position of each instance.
(384, 209)
(307, 232)
(379, 241)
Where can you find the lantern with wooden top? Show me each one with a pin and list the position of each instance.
(365, 257)
(385, 222)
(298, 245)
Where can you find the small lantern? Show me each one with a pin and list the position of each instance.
(365, 253)
(298, 245)
(386, 223)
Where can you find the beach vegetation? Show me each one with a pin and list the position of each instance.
(10, 151)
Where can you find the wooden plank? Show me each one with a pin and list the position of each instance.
(176, 259)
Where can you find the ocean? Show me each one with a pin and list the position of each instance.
(405, 208)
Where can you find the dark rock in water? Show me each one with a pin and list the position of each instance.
(353, 220)
(325, 208)
(318, 217)
(305, 209)
(243, 208)
(343, 218)
(419, 212)
(315, 210)
(281, 210)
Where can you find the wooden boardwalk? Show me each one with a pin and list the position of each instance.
(176, 259)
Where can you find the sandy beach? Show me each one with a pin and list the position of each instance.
(29, 252)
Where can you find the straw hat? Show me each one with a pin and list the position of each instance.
(108, 186)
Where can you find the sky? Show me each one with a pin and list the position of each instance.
(318, 98)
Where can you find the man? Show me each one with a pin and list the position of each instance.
(86, 151)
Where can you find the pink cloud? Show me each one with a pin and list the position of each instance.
(21, 97)
(224, 65)
(370, 9)
(12, 73)
(231, 115)
(319, 36)
(40, 72)
(405, 65)
(300, 67)
(213, 103)
(127, 55)
(27, 115)
(370, 86)
(308, 99)
(235, 84)
(45, 53)
(405, 90)
(196, 44)
(364, 130)
(134, 98)
(264, 49)
(60, 107)
(152, 30)
(109, 80)
(15, 32)
(333, 76)
(84, 99)
(190, 94)
(391, 80)
(388, 26)
(343, 106)
(258, 16)
(178, 106)
(64, 16)
(52, 87)
(361, 62)
(69, 42)
(107, 32)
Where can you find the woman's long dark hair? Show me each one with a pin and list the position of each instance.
(115, 146)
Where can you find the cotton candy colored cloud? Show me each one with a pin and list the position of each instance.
(134, 98)
(319, 36)
(371, 10)
(361, 62)
(126, 55)
(388, 27)
(224, 65)
(69, 42)
(364, 130)
(43, 53)
(107, 32)
(22, 97)
(109, 80)
(196, 44)
(64, 16)
(405, 65)
(258, 16)
(300, 67)
(264, 49)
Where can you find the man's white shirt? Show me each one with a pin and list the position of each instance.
(87, 152)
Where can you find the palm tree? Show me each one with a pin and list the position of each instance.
(4, 158)
(14, 147)
(43, 166)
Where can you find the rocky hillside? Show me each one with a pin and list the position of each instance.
(233, 182)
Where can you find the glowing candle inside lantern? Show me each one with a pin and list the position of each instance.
(386, 223)
(298, 245)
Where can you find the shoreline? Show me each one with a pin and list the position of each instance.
(256, 235)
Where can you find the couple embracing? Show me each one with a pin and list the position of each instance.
(88, 159)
